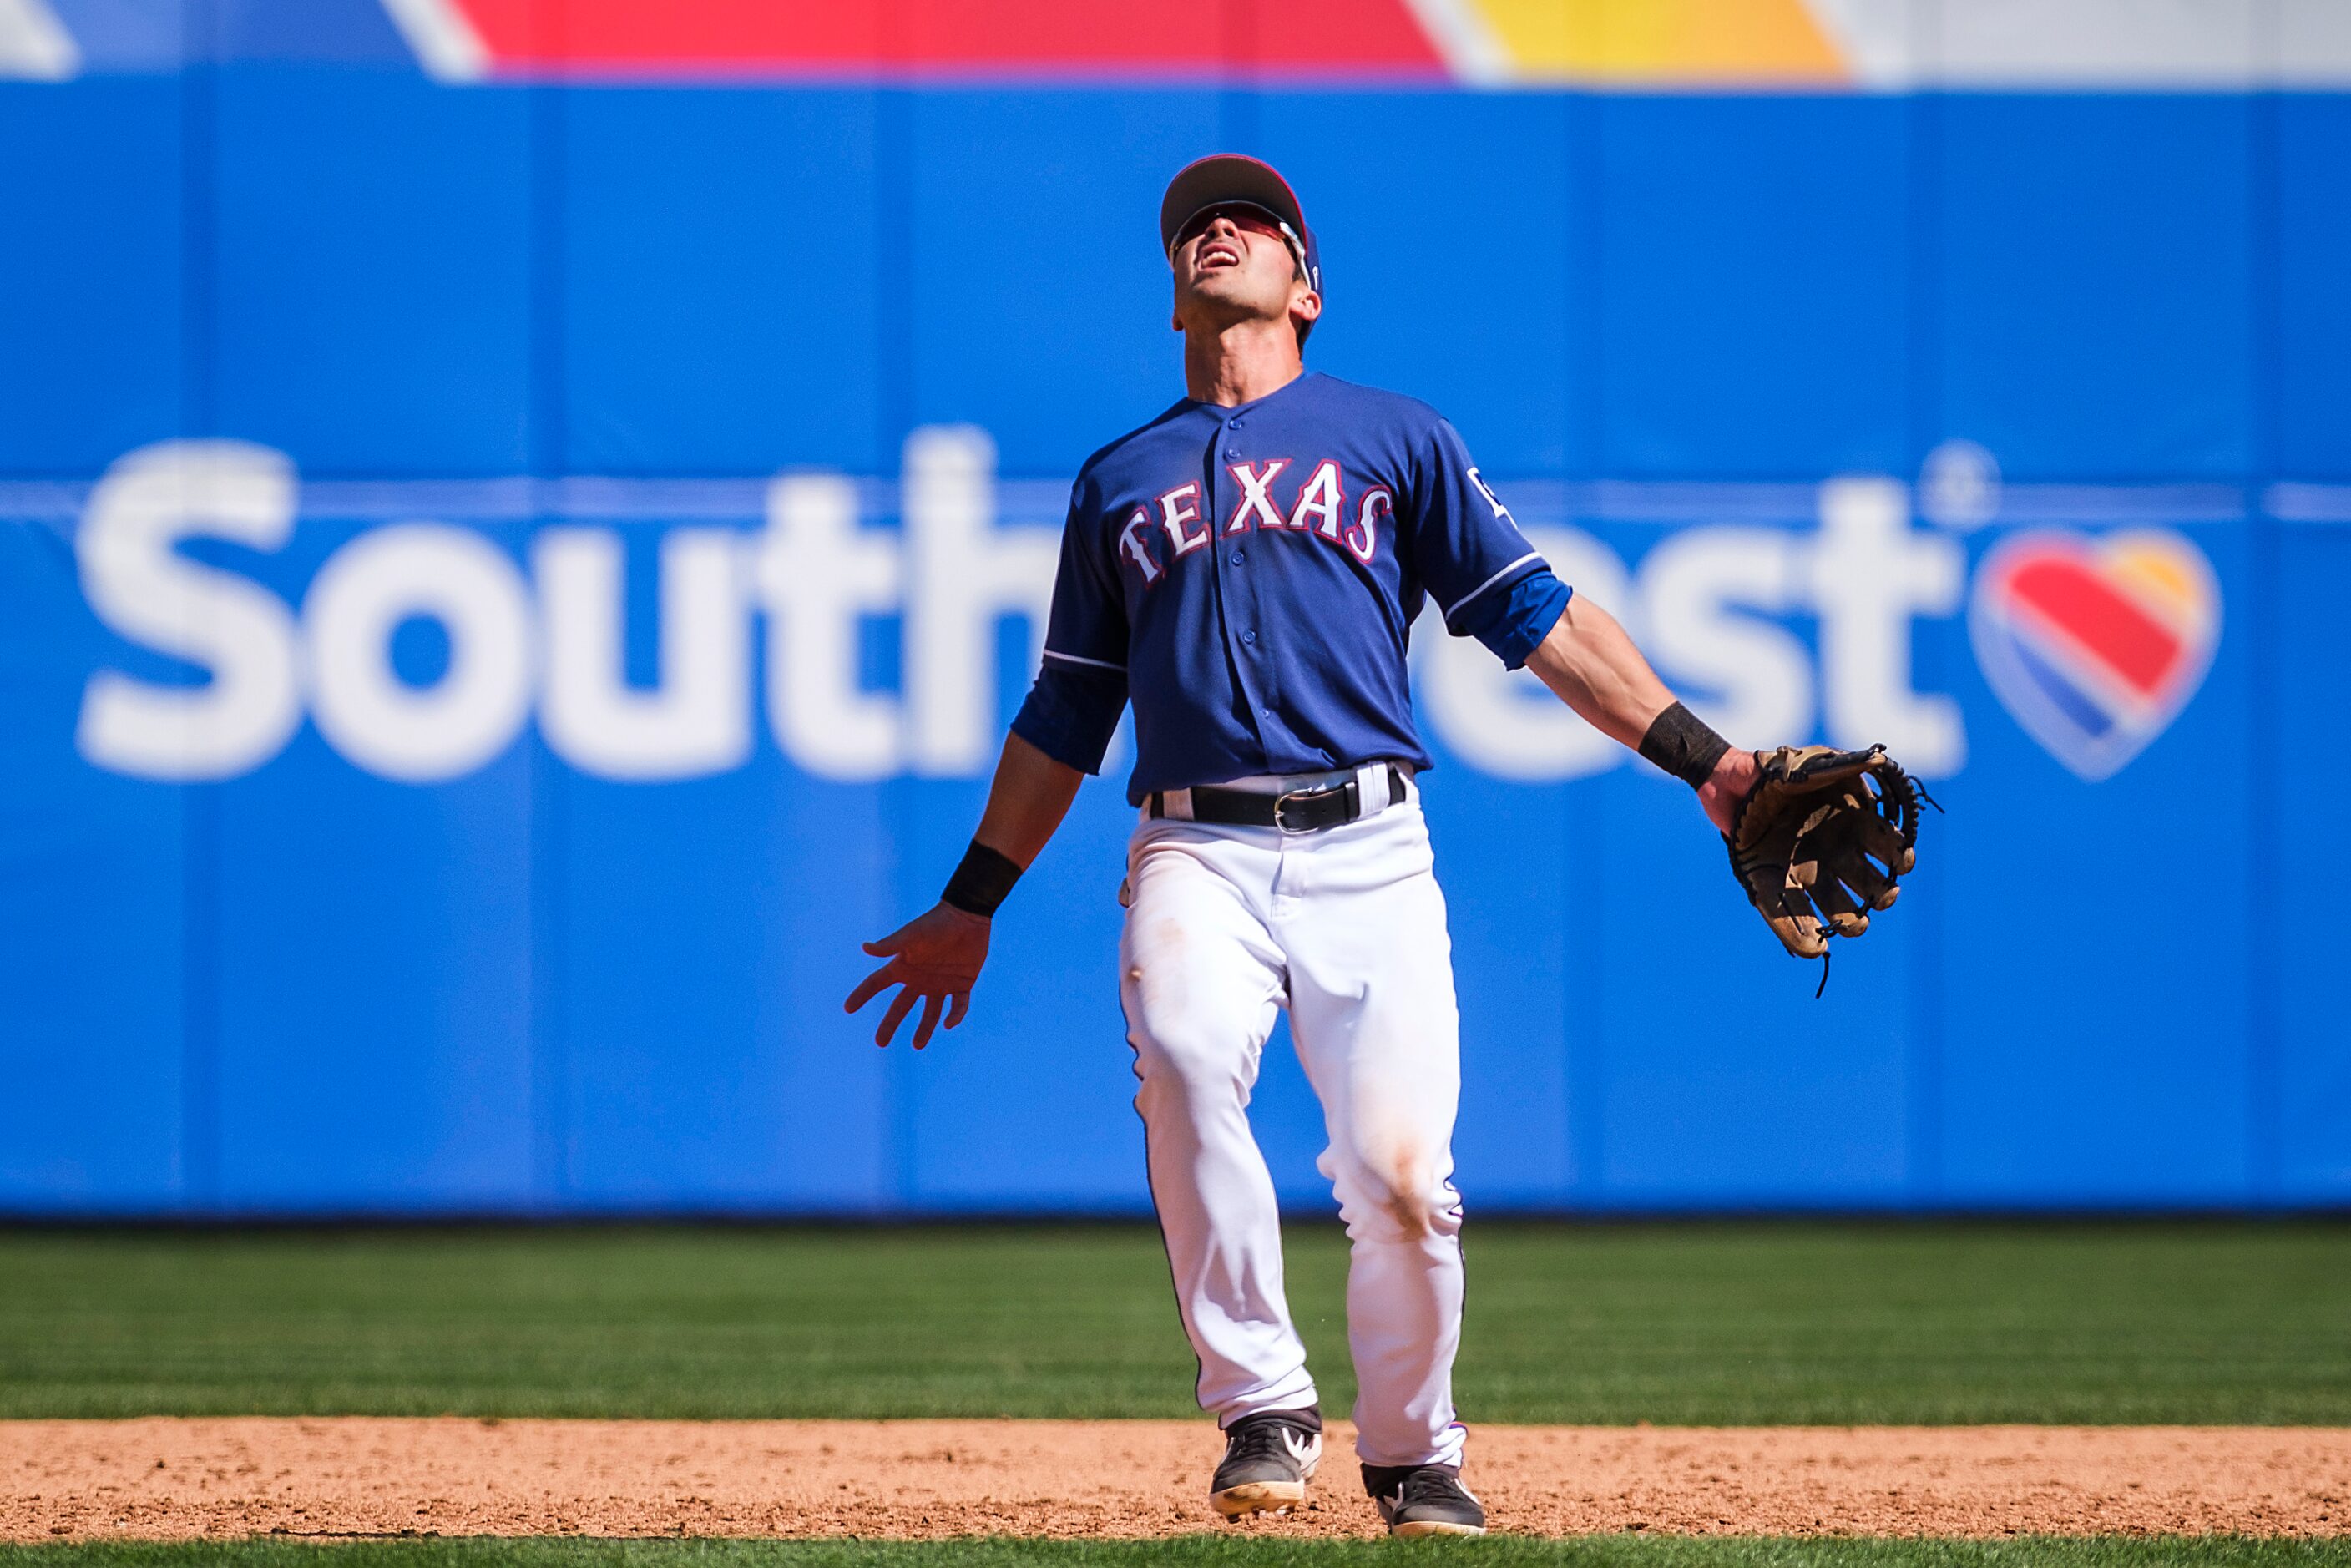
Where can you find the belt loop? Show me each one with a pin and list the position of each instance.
(1371, 790)
(1177, 804)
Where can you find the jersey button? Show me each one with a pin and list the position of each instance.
(1236, 558)
(1232, 452)
(1248, 635)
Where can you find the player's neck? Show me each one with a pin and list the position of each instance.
(1240, 362)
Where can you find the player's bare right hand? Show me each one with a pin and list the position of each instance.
(935, 959)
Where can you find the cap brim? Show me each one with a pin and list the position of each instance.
(1226, 177)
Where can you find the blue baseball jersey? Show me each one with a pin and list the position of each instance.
(1250, 575)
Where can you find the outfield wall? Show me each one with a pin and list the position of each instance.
(505, 581)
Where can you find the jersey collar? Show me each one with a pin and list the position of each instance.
(1227, 411)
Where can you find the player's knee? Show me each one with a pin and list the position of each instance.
(1396, 1199)
(1191, 1054)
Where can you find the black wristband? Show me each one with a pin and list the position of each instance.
(981, 882)
(1680, 742)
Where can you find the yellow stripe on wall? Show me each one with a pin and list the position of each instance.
(1664, 41)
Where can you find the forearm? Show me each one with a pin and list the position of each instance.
(1593, 667)
(1030, 795)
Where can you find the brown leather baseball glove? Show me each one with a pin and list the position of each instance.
(1821, 840)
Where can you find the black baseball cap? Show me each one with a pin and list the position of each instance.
(1225, 177)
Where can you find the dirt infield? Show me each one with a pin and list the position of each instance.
(176, 1478)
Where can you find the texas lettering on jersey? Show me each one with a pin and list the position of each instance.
(1248, 577)
(1318, 506)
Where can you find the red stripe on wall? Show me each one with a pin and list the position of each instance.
(1081, 38)
(2129, 640)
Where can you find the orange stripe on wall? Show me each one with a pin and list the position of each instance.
(1664, 40)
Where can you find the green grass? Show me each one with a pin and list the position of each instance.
(1207, 1551)
(1670, 1324)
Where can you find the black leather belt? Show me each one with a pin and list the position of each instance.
(1307, 810)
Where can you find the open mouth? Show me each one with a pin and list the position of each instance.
(1216, 252)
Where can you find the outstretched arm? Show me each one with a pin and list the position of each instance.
(936, 956)
(1591, 664)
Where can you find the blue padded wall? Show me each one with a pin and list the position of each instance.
(724, 313)
(1660, 321)
(1754, 290)
(2096, 298)
(94, 286)
(371, 272)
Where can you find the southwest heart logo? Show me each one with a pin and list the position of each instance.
(2095, 644)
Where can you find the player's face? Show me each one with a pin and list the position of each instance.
(1232, 263)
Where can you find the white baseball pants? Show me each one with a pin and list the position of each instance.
(1345, 928)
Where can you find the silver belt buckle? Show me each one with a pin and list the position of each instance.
(1287, 796)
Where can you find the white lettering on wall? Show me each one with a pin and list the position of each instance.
(963, 575)
(1710, 604)
(1751, 677)
(239, 633)
(1506, 721)
(817, 573)
(698, 718)
(1873, 574)
(406, 572)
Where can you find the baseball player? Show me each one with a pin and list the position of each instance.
(1245, 569)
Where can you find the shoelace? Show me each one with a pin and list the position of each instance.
(1262, 1440)
(1428, 1485)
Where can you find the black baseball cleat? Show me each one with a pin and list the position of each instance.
(1268, 1458)
(1424, 1500)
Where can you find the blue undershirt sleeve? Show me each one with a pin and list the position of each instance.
(1080, 690)
(1070, 714)
(1512, 624)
